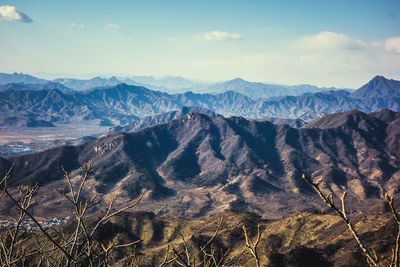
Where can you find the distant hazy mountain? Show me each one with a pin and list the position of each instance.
(56, 106)
(120, 104)
(82, 85)
(75, 84)
(19, 78)
(113, 105)
(197, 165)
(310, 106)
(173, 84)
(34, 86)
(168, 84)
(98, 82)
(161, 118)
(259, 90)
(254, 90)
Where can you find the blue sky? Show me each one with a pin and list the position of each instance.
(327, 43)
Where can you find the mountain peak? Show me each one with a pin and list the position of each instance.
(195, 116)
(385, 115)
(97, 78)
(378, 78)
(238, 80)
(378, 87)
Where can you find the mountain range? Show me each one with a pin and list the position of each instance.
(176, 114)
(83, 85)
(257, 90)
(34, 87)
(121, 104)
(161, 118)
(19, 78)
(172, 85)
(169, 84)
(197, 165)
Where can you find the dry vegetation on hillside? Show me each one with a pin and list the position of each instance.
(125, 238)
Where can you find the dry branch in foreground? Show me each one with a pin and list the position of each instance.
(57, 247)
(370, 254)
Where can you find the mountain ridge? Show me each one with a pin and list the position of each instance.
(34, 87)
(258, 90)
(19, 78)
(197, 166)
(174, 85)
(161, 118)
(122, 103)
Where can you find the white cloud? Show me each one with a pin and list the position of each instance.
(324, 59)
(337, 41)
(78, 26)
(113, 26)
(116, 27)
(331, 40)
(10, 13)
(393, 44)
(221, 36)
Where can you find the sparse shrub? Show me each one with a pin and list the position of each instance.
(306, 257)
(276, 259)
(232, 188)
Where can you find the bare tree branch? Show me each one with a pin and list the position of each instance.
(342, 214)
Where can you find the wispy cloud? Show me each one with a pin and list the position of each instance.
(113, 26)
(393, 44)
(10, 13)
(221, 36)
(331, 40)
(325, 58)
(78, 26)
(116, 27)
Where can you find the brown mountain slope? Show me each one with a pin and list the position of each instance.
(317, 239)
(197, 166)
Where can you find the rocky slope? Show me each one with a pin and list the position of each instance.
(302, 239)
(197, 166)
(294, 123)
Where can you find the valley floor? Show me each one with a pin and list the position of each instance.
(24, 140)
